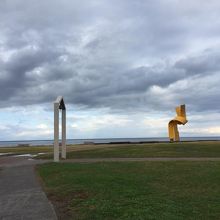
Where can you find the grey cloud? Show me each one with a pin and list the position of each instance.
(208, 61)
(17, 68)
(125, 56)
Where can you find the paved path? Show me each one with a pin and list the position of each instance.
(94, 160)
(21, 196)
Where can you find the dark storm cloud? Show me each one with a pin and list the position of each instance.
(207, 62)
(20, 64)
(130, 55)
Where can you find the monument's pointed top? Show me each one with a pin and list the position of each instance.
(61, 103)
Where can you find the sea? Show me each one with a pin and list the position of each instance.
(101, 140)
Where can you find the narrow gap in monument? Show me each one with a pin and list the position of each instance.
(60, 131)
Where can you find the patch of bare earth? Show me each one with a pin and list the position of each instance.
(63, 204)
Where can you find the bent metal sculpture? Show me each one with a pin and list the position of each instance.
(179, 119)
(59, 104)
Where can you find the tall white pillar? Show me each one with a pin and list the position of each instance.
(63, 155)
(56, 132)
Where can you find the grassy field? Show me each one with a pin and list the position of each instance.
(38, 149)
(182, 149)
(196, 149)
(48, 149)
(134, 190)
(26, 150)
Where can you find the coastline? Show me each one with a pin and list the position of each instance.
(28, 143)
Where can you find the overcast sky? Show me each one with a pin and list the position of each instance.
(121, 65)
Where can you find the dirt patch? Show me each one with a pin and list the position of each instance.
(62, 204)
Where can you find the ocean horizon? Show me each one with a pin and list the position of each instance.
(102, 140)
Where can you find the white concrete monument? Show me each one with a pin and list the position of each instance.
(59, 104)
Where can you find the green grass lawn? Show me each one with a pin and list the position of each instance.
(26, 150)
(182, 149)
(134, 190)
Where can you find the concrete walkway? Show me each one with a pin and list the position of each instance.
(21, 196)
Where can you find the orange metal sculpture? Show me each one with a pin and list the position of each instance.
(178, 120)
